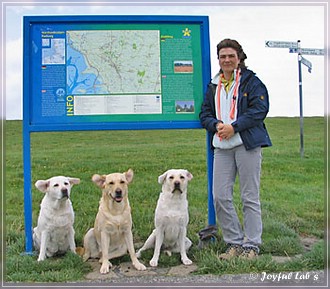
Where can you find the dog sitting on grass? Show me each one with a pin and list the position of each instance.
(171, 217)
(54, 233)
(112, 235)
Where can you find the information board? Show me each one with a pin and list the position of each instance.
(115, 69)
(109, 73)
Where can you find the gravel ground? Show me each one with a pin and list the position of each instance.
(181, 276)
(314, 278)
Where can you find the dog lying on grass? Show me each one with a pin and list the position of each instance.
(54, 233)
(112, 235)
(171, 218)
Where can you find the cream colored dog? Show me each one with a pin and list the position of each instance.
(54, 233)
(171, 217)
(112, 235)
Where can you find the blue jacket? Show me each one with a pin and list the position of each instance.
(252, 108)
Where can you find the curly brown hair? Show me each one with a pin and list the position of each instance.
(235, 45)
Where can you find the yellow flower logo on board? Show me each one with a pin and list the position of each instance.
(186, 32)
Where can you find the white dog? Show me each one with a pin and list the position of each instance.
(54, 233)
(112, 235)
(171, 217)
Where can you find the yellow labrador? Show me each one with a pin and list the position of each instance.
(171, 217)
(112, 235)
(54, 233)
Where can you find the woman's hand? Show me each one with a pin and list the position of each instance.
(225, 131)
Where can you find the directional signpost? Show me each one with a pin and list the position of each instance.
(307, 51)
(307, 63)
(294, 47)
(281, 44)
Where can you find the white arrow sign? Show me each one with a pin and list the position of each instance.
(308, 51)
(307, 63)
(281, 44)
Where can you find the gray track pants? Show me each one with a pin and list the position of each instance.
(247, 165)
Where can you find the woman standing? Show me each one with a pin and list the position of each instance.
(234, 109)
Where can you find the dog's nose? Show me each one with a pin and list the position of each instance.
(177, 185)
(118, 192)
(64, 192)
(118, 195)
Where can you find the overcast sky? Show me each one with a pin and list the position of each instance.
(251, 25)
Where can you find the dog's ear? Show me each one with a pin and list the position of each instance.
(74, 181)
(189, 175)
(162, 177)
(129, 175)
(42, 185)
(99, 180)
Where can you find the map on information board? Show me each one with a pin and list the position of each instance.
(113, 61)
(111, 68)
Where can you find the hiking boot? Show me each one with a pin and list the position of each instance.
(231, 252)
(249, 253)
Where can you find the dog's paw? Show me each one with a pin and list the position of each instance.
(153, 263)
(187, 261)
(41, 258)
(138, 254)
(105, 268)
(139, 266)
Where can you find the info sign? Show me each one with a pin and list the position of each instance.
(114, 69)
(110, 73)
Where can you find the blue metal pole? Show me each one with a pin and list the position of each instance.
(211, 211)
(27, 80)
(27, 190)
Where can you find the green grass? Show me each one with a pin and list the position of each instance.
(292, 193)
